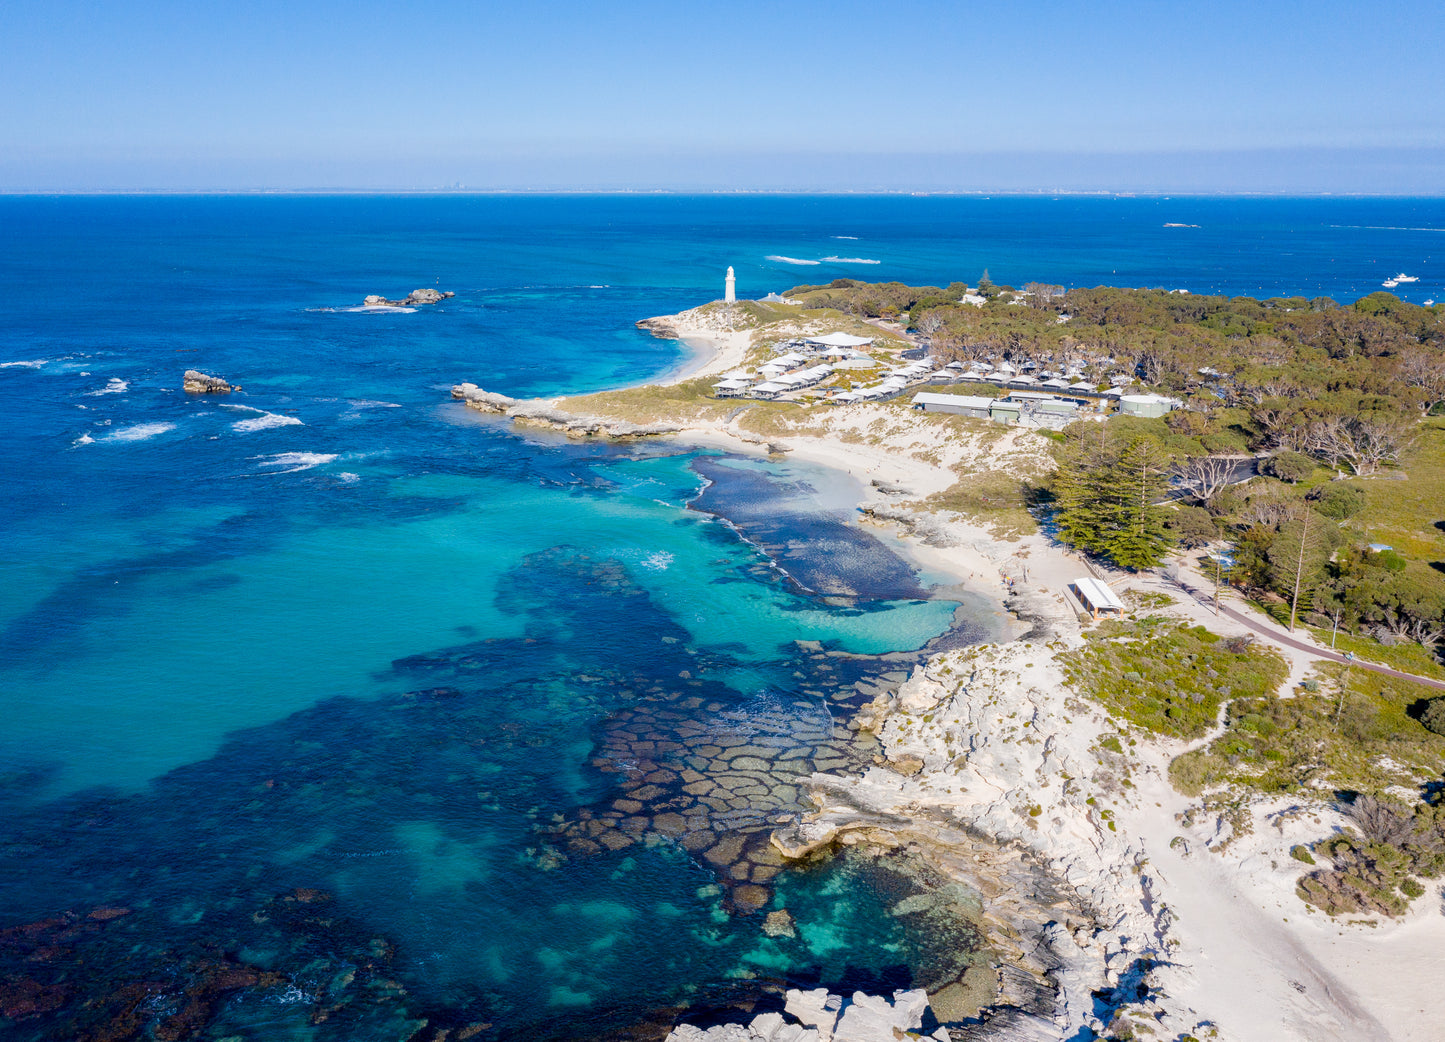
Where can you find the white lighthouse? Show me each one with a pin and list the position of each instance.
(730, 293)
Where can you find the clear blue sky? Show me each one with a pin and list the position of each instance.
(907, 94)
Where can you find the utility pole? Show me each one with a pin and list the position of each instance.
(1299, 567)
(1218, 567)
(1344, 685)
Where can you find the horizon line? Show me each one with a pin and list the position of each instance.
(1151, 193)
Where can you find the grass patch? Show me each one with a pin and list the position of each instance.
(1404, 513)
(1169, 678)
(1366, 741)
(993, 498)
(779, 419)
(677, 403)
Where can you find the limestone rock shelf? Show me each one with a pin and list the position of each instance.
(541, 414)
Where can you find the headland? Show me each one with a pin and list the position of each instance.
(1121, 899)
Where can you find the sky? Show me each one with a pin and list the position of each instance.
(644, 94)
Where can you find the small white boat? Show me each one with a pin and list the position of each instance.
(1402, 277)
(1390, 283)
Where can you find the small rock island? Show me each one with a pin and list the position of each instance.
(412, 299)
(197, 382)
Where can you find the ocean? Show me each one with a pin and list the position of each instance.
(333, 708)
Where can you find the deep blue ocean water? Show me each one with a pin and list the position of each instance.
(336, 633)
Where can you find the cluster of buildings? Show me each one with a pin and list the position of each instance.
(1034, 396)
(806, 362)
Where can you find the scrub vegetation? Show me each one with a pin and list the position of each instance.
(1169, 678)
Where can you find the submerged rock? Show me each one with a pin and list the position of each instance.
(779, 923)
(196, 382)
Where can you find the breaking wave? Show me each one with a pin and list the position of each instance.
(140, 432)
(265, 421)
(294, 461)
(115, 386)
(789, 260)
(851, 260)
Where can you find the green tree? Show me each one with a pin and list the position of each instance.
(1107, 501)
(1138, 482)
(1297, 558)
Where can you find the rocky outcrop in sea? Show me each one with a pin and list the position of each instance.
(412, 299)
(197, 382)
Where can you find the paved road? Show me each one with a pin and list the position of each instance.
(1299, 645)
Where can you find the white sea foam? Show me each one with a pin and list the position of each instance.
(140, 432)
(659, 561)
(851, 260)
(265, 421)
(854, 237)
(789, 260)
(35, 364)
(294, 461)
(348, 477)
(84, 439)
(378, 309)
(115, 386)
(366, 403)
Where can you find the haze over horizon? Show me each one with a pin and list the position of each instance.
(1140, 97)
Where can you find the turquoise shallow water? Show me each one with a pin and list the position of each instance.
(332, 707)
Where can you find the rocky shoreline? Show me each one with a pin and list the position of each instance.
(539, 414)
(996, 775)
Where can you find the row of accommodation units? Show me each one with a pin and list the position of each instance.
(1034, 408)
(808, 361)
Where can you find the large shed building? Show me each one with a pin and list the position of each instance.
(958, 404)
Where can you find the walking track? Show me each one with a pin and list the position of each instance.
(1277, 637)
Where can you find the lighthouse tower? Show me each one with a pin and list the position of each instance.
(730, 294)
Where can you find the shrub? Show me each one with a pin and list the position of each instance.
(1290, 466)
(1339, 501)
(1169, 678)
(1300, 852)
(1434, 716)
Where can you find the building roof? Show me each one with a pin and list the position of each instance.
(1032, 396)
(733, 385)
(840, 340)
(961, 401)
(1098, 594)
